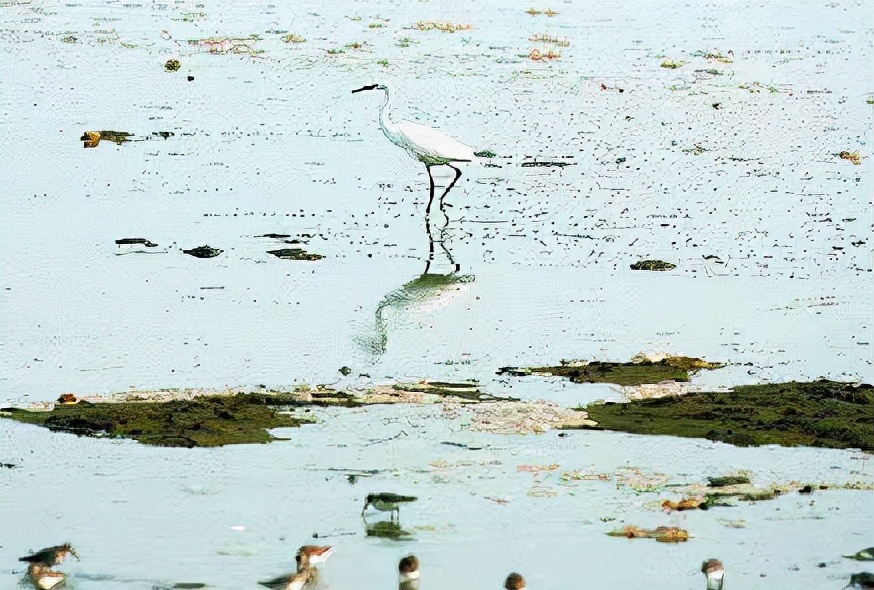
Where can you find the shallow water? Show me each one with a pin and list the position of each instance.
(276, 143)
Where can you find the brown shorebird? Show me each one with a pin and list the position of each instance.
(714, 570)
(408, 573)
(861, 581)
(40, 565)
(514, 582)
(309, 555)
(298, 580)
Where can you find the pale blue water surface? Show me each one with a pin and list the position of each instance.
(732, 174)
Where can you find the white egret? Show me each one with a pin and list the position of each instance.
(429, 146)
(426, 144)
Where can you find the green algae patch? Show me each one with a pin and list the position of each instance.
(466, 390)
(819, 414)
(294, 254)
(653, 265)
(206, 421)
(637, 372)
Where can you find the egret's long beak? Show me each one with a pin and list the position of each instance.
(370, 87)
(74, 554)
(363, 510)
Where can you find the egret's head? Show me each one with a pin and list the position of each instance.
(371, 87)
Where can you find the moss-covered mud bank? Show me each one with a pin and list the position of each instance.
(640, 370)
(206, 421)
(818, 414)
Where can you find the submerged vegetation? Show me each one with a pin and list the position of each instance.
(818, 414)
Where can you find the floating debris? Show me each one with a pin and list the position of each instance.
(653, 265)
(535, 12)
(92, 138)
(672, 65)
(444, 26)
(136, 246)
(546, 164)
(696, 150)
(163, 134)
(485, 154)
(727, 480)
(293, 38)
(557, 41)
(684, 504)
(756, 87)
(637, 372)
(205, 251)
(717, 55)
(135, 241)
(345, 371)
(853, 157)
(294, 254)
(662, 534)
(68, 398)
(866, 554)
(172, 65)
(275, 236)
(788, 414)
(537, 55)
(224, 45)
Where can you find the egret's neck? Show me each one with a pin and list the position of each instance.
(388, 126)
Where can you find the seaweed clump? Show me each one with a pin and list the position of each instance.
(206, 421)
(819, 414)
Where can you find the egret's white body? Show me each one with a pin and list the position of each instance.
(428, 145)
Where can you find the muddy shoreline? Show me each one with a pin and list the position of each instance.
(821, 413)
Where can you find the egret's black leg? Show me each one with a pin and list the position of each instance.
(446, 217)
(428, 221)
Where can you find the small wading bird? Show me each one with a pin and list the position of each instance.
(386, 502)
(41, 563)
(408, 573)
(514, 582)
(307, 556)
(862, 581)
(715, 572)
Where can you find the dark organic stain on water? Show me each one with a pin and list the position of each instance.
(546, 164)
(636, 372)
(653, 265)
(136, 241)
(204, 251)
(294, 254)
(207, 421)
(819, 414)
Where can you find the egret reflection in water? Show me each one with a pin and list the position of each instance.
(440, 282)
